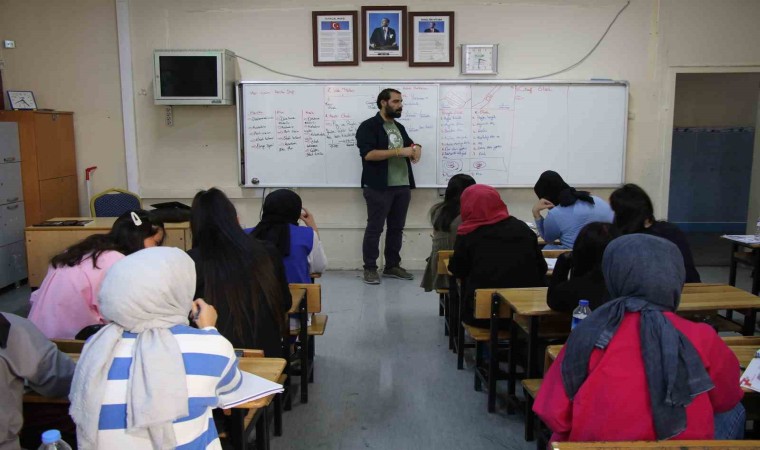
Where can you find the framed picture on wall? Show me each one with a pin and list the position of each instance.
(384, 33)
(431, 39)
(335, 38)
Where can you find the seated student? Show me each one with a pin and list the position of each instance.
(148, 380)
(634, 213)
(635, 358)
(569, 210)
(300, 247)
(237, 274)
(493, 249)
(583, 267)
(67, 300)
(445, 217)
(26, 355)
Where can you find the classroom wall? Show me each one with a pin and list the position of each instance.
(67, 54)
(535, 38)
(716, 99)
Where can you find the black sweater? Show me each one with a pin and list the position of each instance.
(564, 294)
(502, 255)
(674, 234)
(263, 332)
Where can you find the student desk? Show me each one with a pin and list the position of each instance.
(753, 259)
(529, 310)
(42, 243)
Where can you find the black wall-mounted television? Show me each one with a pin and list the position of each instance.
(194, 77)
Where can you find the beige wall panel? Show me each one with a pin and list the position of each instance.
(200, 149)
(67, 54)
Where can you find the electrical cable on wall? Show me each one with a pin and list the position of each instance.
(573, 66)
(587, 54)
(276, 71)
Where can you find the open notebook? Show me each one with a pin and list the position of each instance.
(252, 387)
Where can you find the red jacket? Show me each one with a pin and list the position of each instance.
(613, 403)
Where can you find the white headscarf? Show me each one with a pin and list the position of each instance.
(146, 293)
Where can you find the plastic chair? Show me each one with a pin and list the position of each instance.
(114, 202)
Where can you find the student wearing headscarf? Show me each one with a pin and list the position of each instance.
(635, 358)
(300, 247)
(492, 248)
(148, 380)
(27, 356)
(569, 210)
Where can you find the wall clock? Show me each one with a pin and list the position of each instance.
(480, 59)
(22, 100)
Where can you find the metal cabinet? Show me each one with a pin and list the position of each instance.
(12, 219)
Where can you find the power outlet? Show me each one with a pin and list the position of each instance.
(9, 44)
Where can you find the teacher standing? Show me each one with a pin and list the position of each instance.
(387, 155)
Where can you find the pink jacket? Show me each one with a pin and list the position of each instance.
(67, 301)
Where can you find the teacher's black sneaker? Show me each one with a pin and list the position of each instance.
(397, 272)
(371, 276)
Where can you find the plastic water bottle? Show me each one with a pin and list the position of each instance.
(51, 440)
(580, 313)
(757, 228)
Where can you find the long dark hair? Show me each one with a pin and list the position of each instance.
(443, 213)
(125, 237)
(589, 247)
(632, 207)
(235, 266)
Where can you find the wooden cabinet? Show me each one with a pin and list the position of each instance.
(48, 163)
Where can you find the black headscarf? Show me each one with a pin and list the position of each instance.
(552, 187)
(643, 274)
(281, 208)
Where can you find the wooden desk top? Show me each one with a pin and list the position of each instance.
(268, 368)
(695, 297)
(98, 224)
(297, 295)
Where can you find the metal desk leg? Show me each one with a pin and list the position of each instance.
(236, 428)
(750, 316)
(262, 430)
(512, 376)
(303, 337)
(756, 271)
(732, 265)
(532, 369)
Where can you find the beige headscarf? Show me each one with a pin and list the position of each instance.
(145, 293)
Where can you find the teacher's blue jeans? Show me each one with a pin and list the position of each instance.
(389, 205)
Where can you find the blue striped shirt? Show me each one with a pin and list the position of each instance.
(211, 370)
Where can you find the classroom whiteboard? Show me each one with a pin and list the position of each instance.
(302, 134)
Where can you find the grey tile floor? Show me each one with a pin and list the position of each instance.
(384, 377)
